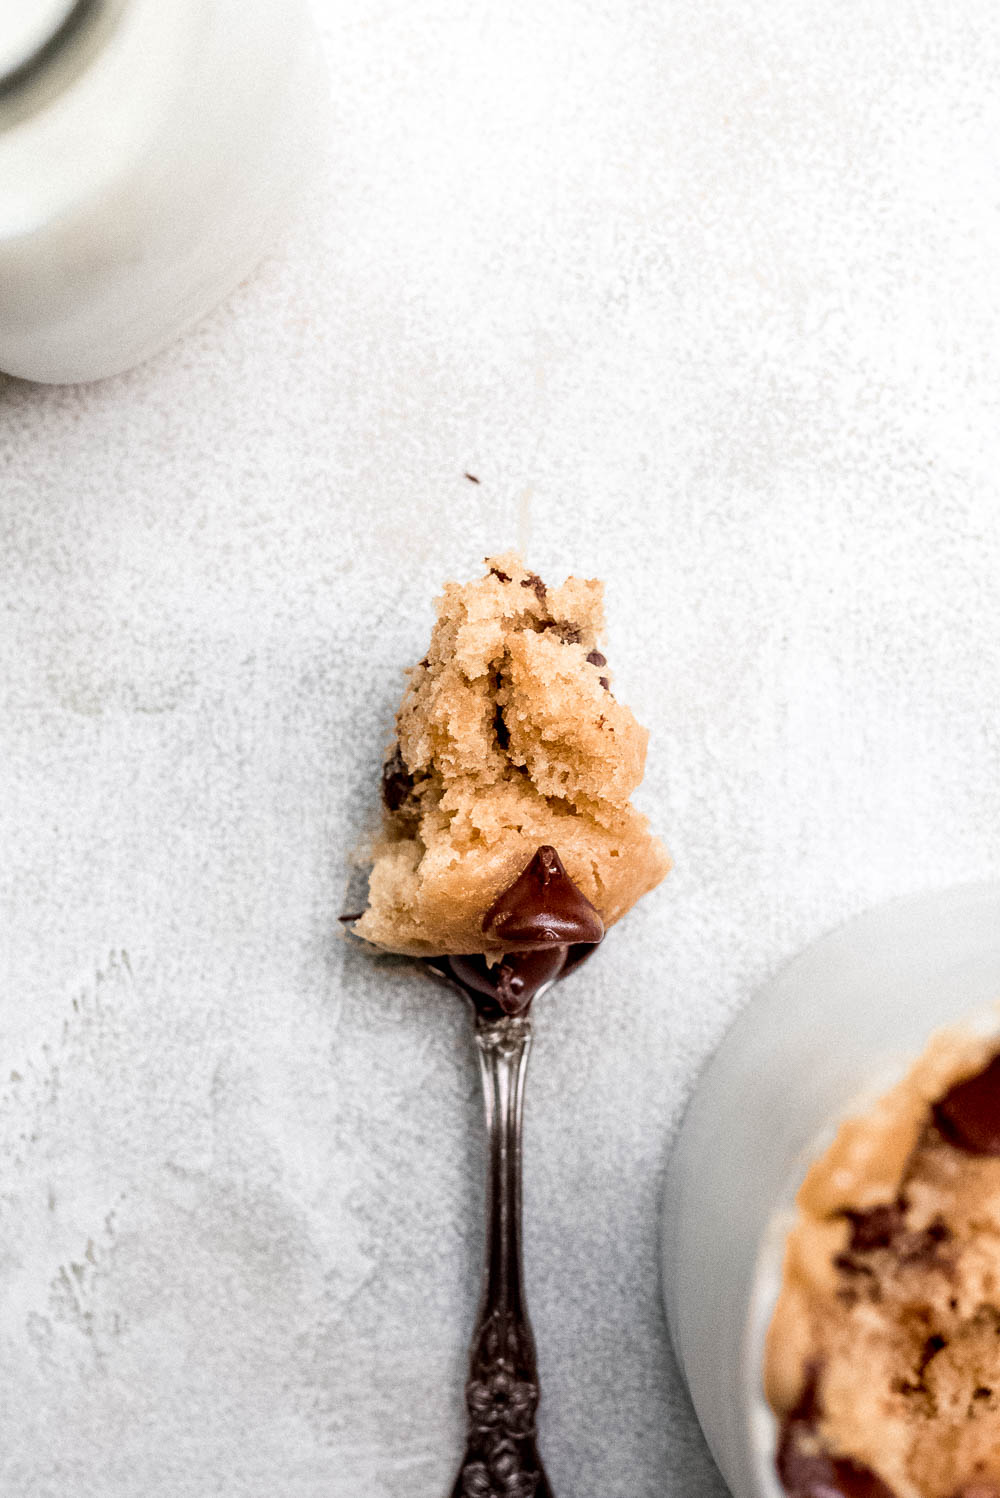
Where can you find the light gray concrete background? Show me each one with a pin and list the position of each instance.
(707, 297)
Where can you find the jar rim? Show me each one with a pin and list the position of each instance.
(56, 58)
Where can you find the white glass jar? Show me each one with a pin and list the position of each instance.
(148, 152)
(828, 1036)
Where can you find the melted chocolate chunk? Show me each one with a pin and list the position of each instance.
(534, 582)
(503, 577)
(969, 1115)
(542, 908)
(806, 1471)
(809, 1473)
(397, 782)
(545, 915)
(510, 985)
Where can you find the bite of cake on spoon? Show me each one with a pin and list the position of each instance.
(510, 740)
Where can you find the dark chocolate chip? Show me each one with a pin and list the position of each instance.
(503, 576)
(605, 683)
(848, 1264)
(569, 634)
(595, 658)
(355, 917)
(397, 782)
(542, 908)
(877, 1227)
(472, 478)
(535, 582)
(923, 1247)
(969, 1115)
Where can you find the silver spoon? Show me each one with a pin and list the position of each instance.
(502, 1391)
(544, 926)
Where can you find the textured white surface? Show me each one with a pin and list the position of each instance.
(707, 297)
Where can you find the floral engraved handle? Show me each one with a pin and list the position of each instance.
(501, 1459)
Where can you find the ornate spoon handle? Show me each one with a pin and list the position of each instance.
(501, 1458)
